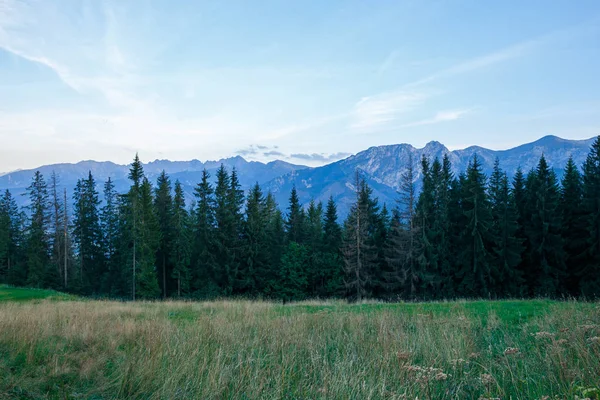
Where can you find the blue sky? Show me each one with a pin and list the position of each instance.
(306, 81)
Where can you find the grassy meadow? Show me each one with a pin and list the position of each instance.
(59, 347)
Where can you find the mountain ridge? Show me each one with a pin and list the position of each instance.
(382, 167)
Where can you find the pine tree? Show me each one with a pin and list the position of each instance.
(360, 255)
(87, 233)
(294, 224)
(163, 204)
(573, 222)
(11, 241)
(204, 266)
(59, 235)
(403, 276)
(109, 226)
(38, 246)
(543, 229)
(507, 246)
(254, 268)
(180, 246)
(474, 257)
(235, 236)
(314, 247)
(427, 257)
(275, 249)
(225, 234)
(590, 273)
(332, 273)
(149, 241)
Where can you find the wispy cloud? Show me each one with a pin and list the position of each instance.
(442, 116)
(273, 153)
(373, 111)
(508, 53)
(322, 157)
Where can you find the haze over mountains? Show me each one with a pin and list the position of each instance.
(382, 166)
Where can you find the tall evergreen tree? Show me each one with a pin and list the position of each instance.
(543, 229)
(255, 266)
(204, 268)
(332, 268)
(294, 224)
(275, 232)
(507, 246)
(590, 273)
(163, 204)
(403, 276)
(360, 255)
(180, 247)
(87, 233)
(109, 223)
(573, 231)
(474, 257)
(11, 241)
(314, 247)
(38, 246)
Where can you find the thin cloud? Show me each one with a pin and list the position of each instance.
(511, 52)
(274, 153)
(322, 157)
(373, 111)
(442, 116)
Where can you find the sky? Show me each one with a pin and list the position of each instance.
(308, 82)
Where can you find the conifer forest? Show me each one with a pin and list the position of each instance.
(463, 235)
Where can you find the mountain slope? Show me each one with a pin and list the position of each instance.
(383, 167)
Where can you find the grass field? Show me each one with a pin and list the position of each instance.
(62, 347)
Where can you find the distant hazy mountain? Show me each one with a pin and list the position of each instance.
(382, 166)
(188, 173)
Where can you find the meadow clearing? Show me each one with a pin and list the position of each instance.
(57, 346)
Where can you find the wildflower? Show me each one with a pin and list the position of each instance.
(474, 355)
(511, 350)
(459, 361)
(543, 335)
(486, 379)
(440, 376)
(561, 341)
(595, 340)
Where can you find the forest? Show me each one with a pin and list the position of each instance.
(461, 236)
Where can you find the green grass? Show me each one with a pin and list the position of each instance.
(8, 293)
(311, 350)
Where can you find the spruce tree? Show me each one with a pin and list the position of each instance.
(11, 241)
(507, 246)
(360, 254)
(403, 276)
(573, 222)
(276, 242)
(180, 247)
(543, 229)
(109, 223)
(87, 233)
(590, 273)
(254, 269)
(474, 260)
(427, 257)
(314, 247)
(149, 240)
(163, 204)
(203, 263)
(332, 274)
(38, 246)
(294, 224)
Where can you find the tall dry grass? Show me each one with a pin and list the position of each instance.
(250, 350)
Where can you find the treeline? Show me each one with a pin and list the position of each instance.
(460, 236)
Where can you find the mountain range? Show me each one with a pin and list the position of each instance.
(382, 167)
